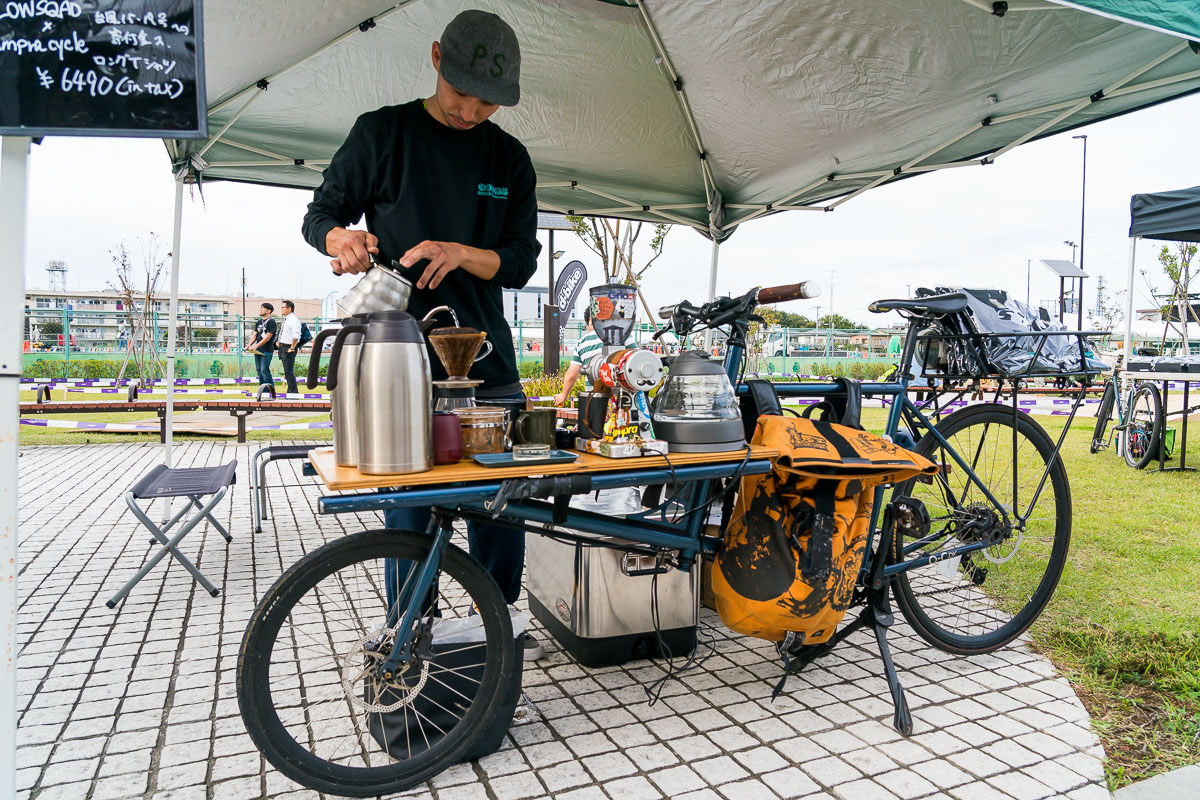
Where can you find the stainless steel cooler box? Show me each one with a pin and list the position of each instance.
(596, 601)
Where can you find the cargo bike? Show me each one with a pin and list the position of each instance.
(386, 656)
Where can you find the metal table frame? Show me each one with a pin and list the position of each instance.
(514, 502)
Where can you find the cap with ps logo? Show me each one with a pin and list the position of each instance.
(481, 57)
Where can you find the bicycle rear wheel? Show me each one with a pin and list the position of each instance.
(308, 690)
(980, 601)
(1143, 427)
(1103, 416)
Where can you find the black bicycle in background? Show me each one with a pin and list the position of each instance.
(1139, 417)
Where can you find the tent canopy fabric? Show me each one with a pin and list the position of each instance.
(1176, 17)
(1174, 215)
(708, 113)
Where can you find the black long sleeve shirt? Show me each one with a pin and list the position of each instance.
(415, 179)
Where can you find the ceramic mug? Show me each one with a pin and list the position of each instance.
(536, 426)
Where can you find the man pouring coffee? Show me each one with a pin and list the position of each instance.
(452, 194)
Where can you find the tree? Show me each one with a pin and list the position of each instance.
(756, 335)
(613, 240)
(838, 321)
(789, 320)
(138, 289)
(1177, 305)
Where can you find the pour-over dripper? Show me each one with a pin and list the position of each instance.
(457, 349)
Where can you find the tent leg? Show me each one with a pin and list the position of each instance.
(712, 290)
(14, 163)
(172, 324)
(1129, 303)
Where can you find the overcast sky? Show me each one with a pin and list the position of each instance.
(976, 226)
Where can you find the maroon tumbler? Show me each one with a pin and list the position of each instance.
(447, 438)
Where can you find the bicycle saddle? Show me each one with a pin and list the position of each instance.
(937, 305)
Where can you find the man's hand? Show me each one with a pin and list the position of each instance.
(352, 250)
(444, 258)
(560, 399)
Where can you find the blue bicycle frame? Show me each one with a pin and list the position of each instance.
(652, 531)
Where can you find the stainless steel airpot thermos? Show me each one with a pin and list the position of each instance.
(343, 386)
(389, 424)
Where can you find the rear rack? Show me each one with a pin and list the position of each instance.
(968, 356)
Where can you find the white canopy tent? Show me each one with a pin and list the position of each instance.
(708, 113)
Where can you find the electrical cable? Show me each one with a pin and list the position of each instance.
(654, 689)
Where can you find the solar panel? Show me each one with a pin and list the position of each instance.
(552, 222)
(1063, 269)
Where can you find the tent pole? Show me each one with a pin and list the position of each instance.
(173, 319)
(14, 164)
(1129, 303)
(712, 290)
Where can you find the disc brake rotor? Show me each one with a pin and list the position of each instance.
(361, 662)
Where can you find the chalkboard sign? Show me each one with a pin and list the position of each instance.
(102, 68)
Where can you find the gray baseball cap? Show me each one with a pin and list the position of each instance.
(480, 56)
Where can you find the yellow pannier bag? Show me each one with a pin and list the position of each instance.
(797, 536)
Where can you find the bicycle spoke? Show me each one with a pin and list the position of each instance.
(981, 595)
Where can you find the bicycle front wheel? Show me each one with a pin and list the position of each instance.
(979, 601)
(308, 686)
(1103, 416)
(1144, 426)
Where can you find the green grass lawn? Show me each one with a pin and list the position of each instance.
(1124, 623)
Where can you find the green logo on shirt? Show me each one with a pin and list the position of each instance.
(498, 192)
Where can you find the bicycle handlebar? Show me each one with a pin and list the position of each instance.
(791, 291)
(668, 312)
(736, 310)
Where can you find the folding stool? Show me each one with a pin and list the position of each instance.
(258, 475)
(195, 483)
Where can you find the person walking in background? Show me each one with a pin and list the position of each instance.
(262, 346)
(289, 344)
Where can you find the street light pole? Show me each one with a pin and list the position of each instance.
(1082, 218)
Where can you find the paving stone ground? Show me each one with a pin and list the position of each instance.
(139, 702)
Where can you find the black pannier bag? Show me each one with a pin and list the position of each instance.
(967, 354)
(459, 651)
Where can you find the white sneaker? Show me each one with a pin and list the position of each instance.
(533, 649)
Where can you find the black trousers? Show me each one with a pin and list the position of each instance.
(288, 358)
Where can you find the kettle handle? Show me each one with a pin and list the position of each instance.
(336, 352)
(314, 358)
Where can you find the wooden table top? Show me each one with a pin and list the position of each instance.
(345, 478)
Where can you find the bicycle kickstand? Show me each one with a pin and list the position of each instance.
(881, 618)
(878, 615)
